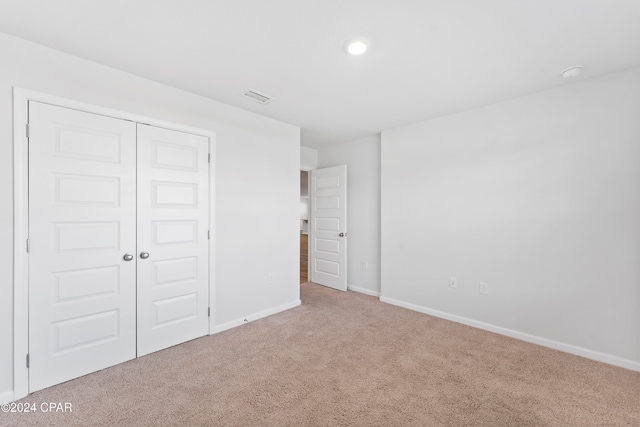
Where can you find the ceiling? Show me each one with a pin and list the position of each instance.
(427, 58)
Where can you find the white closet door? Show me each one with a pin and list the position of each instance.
(173, 222)
(82, 221)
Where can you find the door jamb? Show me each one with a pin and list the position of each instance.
(21, 98)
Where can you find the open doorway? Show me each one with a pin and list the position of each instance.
(304, 227)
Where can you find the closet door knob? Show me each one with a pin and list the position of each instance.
(342, 234)
(144, 255)
(127, 257)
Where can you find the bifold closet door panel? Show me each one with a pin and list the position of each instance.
(82, 222)
(172, 234)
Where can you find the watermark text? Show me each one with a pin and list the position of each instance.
(47, 407)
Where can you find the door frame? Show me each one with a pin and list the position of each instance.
(21, 98)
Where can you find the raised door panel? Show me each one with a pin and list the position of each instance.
(173, 224)
(82, 211)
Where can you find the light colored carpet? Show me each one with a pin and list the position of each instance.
(346, 359)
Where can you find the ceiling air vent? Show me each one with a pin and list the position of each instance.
(260, 97)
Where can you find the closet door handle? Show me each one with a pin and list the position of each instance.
(342, 234)
(144, 255)
(127, 257)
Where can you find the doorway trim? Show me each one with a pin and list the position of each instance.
(21, 98)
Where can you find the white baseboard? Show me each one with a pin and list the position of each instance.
(252, 317)
(363, 291)
(7, 397)
(556, 345)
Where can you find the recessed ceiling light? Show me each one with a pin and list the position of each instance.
(571, 71)
(357, 46)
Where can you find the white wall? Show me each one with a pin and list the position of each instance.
(540, 197)
(308, 158)
(257, 179)
(362, 158)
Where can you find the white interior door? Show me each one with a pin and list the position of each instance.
(328, 249)
(173, 224)
(82, 221)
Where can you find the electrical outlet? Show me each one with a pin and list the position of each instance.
(453, 282)
(484, 288)
(365, 265)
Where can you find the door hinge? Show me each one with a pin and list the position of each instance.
(208, 234)
(27, 360)
(28, 245)
(209, 158)
(209, 312)
(28, 130)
